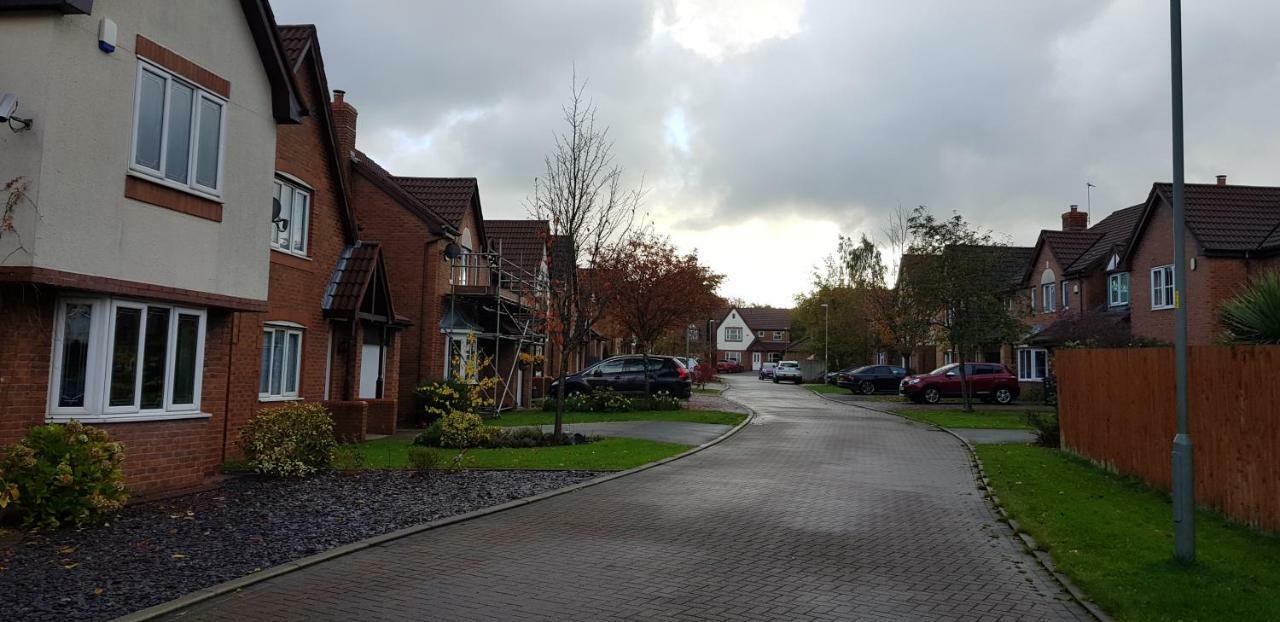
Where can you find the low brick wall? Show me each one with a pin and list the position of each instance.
(350, 419)
(382, 417)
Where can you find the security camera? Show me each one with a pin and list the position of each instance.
(9, 106)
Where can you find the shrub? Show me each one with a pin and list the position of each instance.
(429, 437)
(424, 460)
(295, 440)
(445, 396)
(63, 474)
(1253, 317)
(1046, 426)
(464, 430)
(598, 401)
(704, 373)
(523, 438)
(661, 400)
(347, 458)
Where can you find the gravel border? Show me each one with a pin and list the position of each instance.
(154, 552)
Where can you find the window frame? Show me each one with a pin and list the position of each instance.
(288, 328)
(1066, 295)
(99, 360)
(1048, 293)
(733, 356)
(295, 186)
(1033, 374)
(777, 335)
(730, 332)
(1112, 290)
(199, 94)
(1166, 288)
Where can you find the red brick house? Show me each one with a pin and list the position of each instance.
(330, 328)
(753, 336)
(138, 260)
(1233, 234)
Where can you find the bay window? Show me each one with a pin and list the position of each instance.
(1162, 287)
(1032, 364)
(122, 359)
(178, 132)
(281, 361)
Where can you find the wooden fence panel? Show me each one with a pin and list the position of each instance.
(1117, 409)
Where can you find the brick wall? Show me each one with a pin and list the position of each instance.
(350, 419)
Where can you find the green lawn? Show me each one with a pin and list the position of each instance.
(826, 388)
(608, 454)
(1013, 419)
(1114, 538)
(529, 417)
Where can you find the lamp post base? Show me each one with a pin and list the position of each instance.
(1184, 501)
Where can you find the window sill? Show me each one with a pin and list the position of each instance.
(273, 400)
(149, 190)
(281, 251)
(180, 187)
(127, 418)
(1165, 308)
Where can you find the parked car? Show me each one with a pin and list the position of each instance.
(832, 377)
(766, 370)
(789, 371)
(870, 379)
(729, 367)
(690, 363)
(626, 374)
(991, 382)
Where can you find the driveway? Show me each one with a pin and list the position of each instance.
(815, 511)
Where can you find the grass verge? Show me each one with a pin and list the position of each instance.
(608, 454)
(1113, 537)
(958, 418)
(511, 419)
(828, 389)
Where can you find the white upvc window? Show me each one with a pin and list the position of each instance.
(1118, 289)
(777, 335)
(1048, 298)
(124, 360)
(733, 333)
(179, 132)
(290, 236)
(948, 357)
(1162, 287)
(735, 357)
(1033, 299)
(1066, 294)
(760, 334)
(1032, 364)
(461, 351)
(278, 376)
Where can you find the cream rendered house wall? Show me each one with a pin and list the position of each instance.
(733, 319)
(77, 155)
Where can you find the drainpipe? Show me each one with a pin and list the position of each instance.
(226, 400)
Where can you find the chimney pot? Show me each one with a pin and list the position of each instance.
(338, 94)
(1222, 180)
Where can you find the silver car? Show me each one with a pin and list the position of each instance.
(788, 371)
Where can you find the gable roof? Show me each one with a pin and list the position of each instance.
(1006, 264)
(385, 181)
(359, 271)
(766, 318)
(286, 106)
(523, 242)
(450, 197)
(1115, 231)
(1225, 219)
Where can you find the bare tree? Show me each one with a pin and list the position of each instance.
(591, 213)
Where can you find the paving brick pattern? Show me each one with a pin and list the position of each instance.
(816, 511)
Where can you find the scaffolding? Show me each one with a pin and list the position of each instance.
(499, 290)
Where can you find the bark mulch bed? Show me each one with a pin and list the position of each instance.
(155, 552)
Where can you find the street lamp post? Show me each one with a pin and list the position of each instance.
(826, 340)
(1184, 502)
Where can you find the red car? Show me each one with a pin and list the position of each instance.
(728, 367)
(991, 382)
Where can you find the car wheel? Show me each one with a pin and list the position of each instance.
(1003, 396)
(867, 387)
(932, 396)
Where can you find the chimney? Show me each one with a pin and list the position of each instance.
(344, 123)
(1075, 220)
(1222, 180)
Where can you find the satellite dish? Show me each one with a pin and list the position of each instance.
(452, 251)
(281, 224)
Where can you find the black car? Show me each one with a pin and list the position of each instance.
(626, 374)
(872, 378)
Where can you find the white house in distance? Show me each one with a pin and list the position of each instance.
(753, 336)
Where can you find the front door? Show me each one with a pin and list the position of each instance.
(371, 353)
(755, 361)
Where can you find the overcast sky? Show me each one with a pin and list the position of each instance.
(765, 128)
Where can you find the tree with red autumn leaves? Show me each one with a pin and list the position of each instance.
(654, 289)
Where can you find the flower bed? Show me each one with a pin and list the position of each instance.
(158, 551)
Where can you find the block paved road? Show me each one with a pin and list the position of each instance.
(815, 511)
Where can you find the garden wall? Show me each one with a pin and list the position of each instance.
(1117, 408)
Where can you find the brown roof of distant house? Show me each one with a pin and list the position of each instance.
(1007, 263)
(387, 182)
(1229, 218)
(450, 197)
(766, 318)
(1114, 231)
(296, 38)
(1068, 246)
(523, 242)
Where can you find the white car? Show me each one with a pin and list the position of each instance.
(789, 371)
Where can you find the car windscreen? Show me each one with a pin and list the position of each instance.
(789, 365)
(862, 370)
(944, 369)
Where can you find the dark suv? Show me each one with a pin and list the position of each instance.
(626, 374)
(992, 382)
